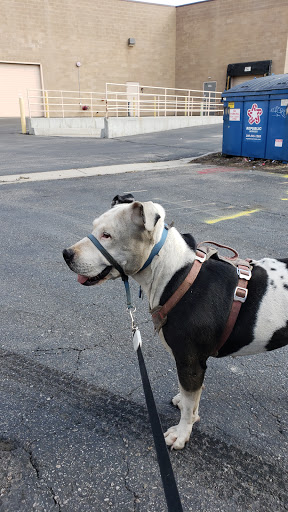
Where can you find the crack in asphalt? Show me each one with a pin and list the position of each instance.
(261, 404)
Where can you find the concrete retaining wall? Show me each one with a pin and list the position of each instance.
(119, 127)
(69, 126)
(113, 126)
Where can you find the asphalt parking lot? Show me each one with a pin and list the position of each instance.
(74, 431)
(27, 153)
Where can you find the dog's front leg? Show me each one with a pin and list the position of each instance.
(191, 374)
(188, 403)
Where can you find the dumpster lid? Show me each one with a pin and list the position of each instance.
(265, 83)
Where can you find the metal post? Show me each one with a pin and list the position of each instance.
(202, 106)
(165, 102)
(46, 104)
(62, 104)
(22, 114)
(106, 101)
(28, 101)
(138, 113)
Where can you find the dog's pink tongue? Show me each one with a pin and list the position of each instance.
(82, 279)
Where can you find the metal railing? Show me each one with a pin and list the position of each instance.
(137, 101)
(54, 103)
(124, 100)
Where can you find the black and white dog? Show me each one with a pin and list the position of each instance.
(129, 231)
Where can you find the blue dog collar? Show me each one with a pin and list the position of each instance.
(156, 248)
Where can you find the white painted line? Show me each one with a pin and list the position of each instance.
(92, 171)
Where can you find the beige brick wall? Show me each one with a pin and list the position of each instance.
(198, 40)
(213, 34)
(58, 33)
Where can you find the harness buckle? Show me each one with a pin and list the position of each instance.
(244, 273)
(200, 258)
(240, 294)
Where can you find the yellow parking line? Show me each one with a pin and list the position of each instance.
(284, 199)
(229, 217)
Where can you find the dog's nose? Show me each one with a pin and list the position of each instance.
(68, 255)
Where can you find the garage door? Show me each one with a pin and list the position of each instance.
(15, 79)
(236, 80)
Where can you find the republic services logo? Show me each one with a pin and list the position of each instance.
(254, 114)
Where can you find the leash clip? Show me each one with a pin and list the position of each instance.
(136, 336)
(132, 310)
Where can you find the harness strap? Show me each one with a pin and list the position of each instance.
(159, 314)
(243, 267)
(231, 259)
(240, 296)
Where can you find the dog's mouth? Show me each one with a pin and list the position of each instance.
(90, 281)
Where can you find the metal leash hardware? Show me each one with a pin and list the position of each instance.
(136, 336)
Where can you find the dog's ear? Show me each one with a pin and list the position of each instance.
(145, 215)
(126, 198)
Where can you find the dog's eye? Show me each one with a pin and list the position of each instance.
(105, 235)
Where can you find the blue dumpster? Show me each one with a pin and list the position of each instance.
(256, 118)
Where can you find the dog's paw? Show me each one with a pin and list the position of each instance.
(177, 400)
(178, 436)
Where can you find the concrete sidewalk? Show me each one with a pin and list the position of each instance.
(27, 154)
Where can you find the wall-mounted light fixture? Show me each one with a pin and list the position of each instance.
(131, 41)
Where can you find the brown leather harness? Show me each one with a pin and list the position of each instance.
(203, 253)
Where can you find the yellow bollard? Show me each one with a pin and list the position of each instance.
(46, 104)
(22, 114)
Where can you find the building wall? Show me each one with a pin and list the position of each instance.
(180, 47)
(213, 34)
(57, 34)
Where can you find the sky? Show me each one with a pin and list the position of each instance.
(170, 2)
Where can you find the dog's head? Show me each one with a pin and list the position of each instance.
(128, 232)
